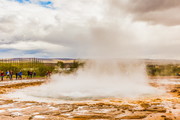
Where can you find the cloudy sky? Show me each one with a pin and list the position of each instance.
(90, 28)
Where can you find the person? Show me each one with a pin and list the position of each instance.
(28, 74)
(20, 74)
(31, 74)
(11, 75)
(48, 74)
(8, 74)
(2, 75)
(16, 75)
(34, 74)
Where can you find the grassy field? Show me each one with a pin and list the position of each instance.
(40, 67)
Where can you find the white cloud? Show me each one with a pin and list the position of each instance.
(152, 11)
(33, 45)
(81, 28)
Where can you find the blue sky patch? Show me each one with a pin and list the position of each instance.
(47, 4)
(5, 50)
(22, 1)
(32, 51)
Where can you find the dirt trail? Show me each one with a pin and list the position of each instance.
(7, 86)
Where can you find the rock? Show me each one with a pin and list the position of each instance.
(161, 110)
(145, 105)
(138, 115)
(174, 90)
(163, 116)
(14, 118)
(93, 116)
(126, 107)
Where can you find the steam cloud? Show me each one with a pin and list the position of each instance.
(98, 79)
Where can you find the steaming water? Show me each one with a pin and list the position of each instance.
(103, 79)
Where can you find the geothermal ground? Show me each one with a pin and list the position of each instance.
(162, 107)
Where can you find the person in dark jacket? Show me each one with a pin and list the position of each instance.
(11, 75)
(2, 75)
(31, 74)
(34, 74)
(28, 74)
(16, 75)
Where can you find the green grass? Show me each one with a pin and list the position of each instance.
(163, 70)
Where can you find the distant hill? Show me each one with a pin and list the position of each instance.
(70, 60)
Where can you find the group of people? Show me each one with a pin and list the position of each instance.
(31, 74)
(9, 75)
(18, 75)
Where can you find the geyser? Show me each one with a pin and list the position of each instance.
(98, 79)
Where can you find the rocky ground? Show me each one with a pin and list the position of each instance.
(165, 107)
(7, 86)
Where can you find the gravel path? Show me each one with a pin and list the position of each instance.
(12, 82)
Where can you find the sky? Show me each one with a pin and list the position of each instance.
(145, 29)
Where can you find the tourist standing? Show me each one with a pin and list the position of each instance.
(20, 74)
(48, 73)
(11, 75)
(16, 75)
(34, 74)
(28, 74)
(31, 74)
(8, 74)
(2, 75)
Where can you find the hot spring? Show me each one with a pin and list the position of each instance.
(97, 79)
